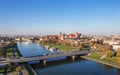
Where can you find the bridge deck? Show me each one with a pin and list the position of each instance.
(27, 59)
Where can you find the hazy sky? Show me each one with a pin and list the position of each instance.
(53, 16)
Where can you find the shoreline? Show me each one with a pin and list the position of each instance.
(99, 61)
(28, 66)
(62, 48)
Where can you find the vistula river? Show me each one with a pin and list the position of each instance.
(66, 66)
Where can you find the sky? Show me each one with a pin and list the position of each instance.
(55, 16)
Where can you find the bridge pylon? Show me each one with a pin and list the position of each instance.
(43, 61)
(73, 57)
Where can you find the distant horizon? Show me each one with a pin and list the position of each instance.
(58, 34)
(42, 17)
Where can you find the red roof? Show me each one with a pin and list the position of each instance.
(71, 35)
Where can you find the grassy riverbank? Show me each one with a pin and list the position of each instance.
(62, 47)
(114, 61)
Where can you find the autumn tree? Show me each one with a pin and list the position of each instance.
(80, 48)
(10, 65)
(110, 53)
(97, 46)
(19, 70)
(108, 47)
(81, 45)
(100, 41)
(91, 43)
(1, 51)
(64, 42)
(118, 52)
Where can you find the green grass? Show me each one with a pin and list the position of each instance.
(2, 70)
(95, 55)
(112, 61)
(8, 52)
(4, 52)
(66, 48)
(6, 70)
(85, 48)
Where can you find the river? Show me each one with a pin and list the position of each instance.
(64, 67)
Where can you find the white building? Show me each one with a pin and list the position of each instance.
(115, 47)
(17, 39)
(111, 42)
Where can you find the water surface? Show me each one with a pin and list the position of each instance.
(78, 67)
(64, 67)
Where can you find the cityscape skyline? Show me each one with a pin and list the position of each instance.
(54, 16)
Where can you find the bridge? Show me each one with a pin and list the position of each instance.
(45, 57)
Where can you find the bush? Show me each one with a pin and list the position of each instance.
(118, 54)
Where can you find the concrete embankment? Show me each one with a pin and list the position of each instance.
(100, 61)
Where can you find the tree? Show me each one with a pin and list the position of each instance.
(108, 47)
(98, 46)
(100, 41)
(19, 70)
(110, 53)
(64, 42)
(118, 52)
(10, 65)
(80, 46)
(1, 51)
(91, 43)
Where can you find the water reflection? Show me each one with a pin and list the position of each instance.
(118, 71)
(55, 63)
(77, 67)
(29, 49)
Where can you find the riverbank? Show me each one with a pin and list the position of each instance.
(29, 69)
(107, 61)
(61, 47)
(13, 51)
